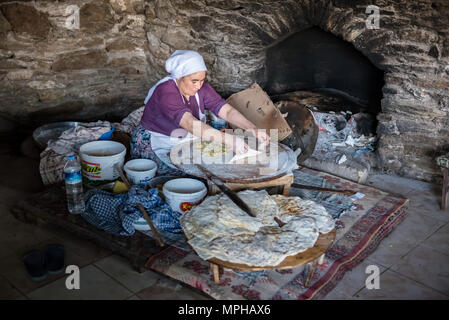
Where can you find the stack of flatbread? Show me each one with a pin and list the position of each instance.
(217, 228)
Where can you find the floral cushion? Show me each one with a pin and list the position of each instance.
(443, 161)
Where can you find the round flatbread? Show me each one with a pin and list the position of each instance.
(217, 228)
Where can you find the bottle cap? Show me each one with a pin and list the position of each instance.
(71, 158)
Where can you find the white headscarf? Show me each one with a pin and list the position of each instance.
(181, 63)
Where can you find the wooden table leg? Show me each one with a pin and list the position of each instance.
(212, 188)
(216, 271)
(288, 183)
(286, 191)
(445, 192)
(311, 272)
(321, 259)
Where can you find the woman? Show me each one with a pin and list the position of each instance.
(176, 105)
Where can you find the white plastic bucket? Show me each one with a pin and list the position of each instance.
(140, 171)
(98, 159)
(182, 194)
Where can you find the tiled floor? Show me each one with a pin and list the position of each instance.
(413, 260)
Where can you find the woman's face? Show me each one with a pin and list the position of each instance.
(190, 84)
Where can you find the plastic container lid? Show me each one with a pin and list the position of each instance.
(71, 158)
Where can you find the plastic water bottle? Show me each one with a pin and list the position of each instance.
(73, 185)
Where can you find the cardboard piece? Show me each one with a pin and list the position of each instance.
(257, 107)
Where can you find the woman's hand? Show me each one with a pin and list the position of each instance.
(240, 146)
(261, 135)
(237, 144)
(230, 114)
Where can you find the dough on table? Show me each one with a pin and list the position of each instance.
(211, 152)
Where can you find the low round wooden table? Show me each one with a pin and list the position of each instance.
(314, 255)
(240, 177)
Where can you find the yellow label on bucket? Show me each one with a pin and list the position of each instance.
(91, 169)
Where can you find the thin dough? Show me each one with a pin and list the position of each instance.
(218, 228)
(210, 152)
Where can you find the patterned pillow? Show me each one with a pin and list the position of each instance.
(443, 161)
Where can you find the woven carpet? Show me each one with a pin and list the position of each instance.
(359, 232)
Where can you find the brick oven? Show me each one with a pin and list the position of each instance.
(327, 77)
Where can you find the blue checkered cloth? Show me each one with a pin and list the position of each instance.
(116, 213)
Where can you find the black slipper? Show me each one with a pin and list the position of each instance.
(36, 265)
(55, 256)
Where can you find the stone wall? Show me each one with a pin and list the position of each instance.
(51, 71)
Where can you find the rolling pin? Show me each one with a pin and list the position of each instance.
(232, 195)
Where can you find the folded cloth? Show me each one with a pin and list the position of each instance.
(116, 213)
(130, 122)
(160, 213)
(54, 157)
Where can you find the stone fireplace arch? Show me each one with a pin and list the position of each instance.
(410, 47)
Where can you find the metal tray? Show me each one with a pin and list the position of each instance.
(52, 131)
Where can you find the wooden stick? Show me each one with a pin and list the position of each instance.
(153, 228)
(122, 175)
(279, 222)
(231, 194)
(345, 192)
(140, 206)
